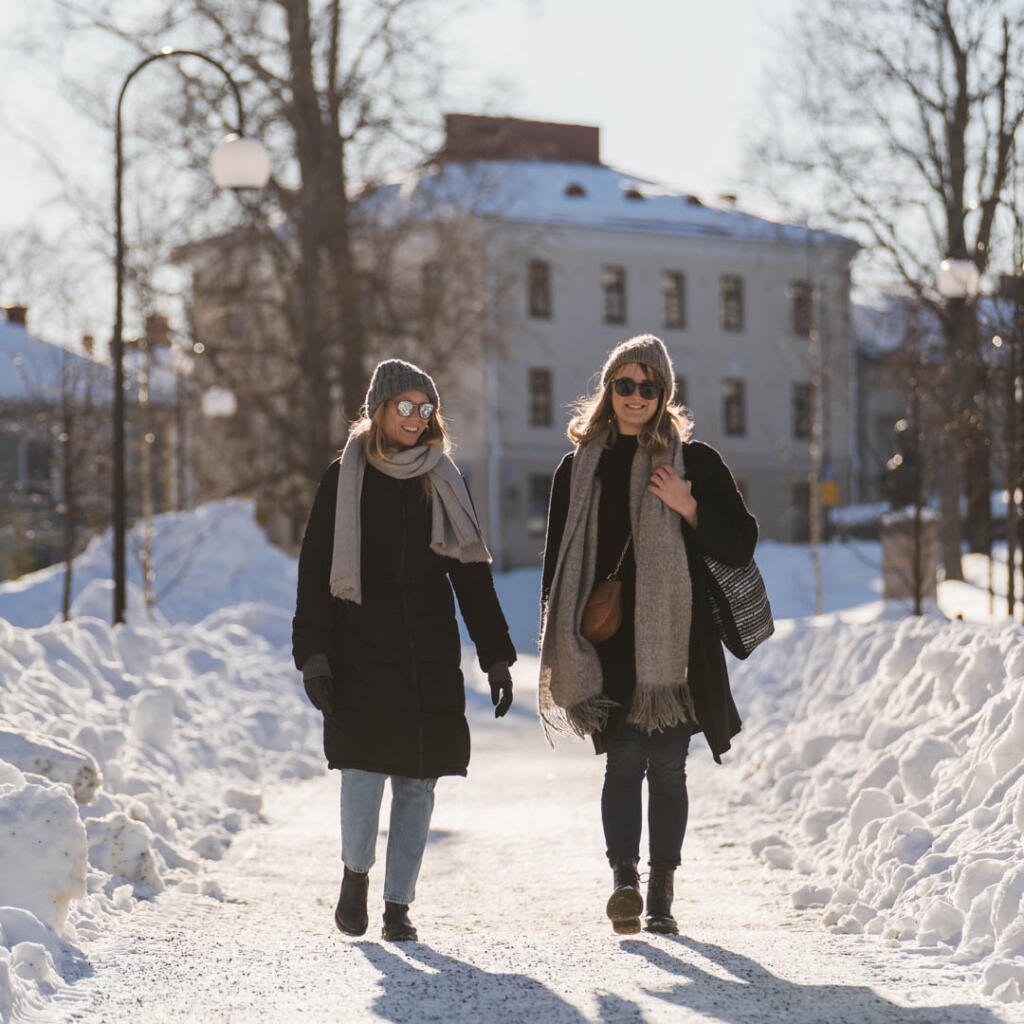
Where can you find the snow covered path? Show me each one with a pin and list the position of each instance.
(510, 907)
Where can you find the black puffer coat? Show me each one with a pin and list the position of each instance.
(398, 694)
(725, 530)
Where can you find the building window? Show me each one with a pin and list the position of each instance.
(613, 281)
(430, 289)
(802, 308)
(539, 289)
(734, 407)
(9, 458)
(800, 512)
(681, 390)
(538, 491)
(540, 397)
(801, 411)
(732, 302)
(37, 462)
(673, 299)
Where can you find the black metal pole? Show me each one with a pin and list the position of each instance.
(119, 513)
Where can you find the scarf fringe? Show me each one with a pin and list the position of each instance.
(654, 710)
(581, 720)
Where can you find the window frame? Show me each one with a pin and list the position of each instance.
(539, 290)
(673, 285)
(613, 289)
(802, 390)
(540, 396)
(737, 402)
(731, 301)
(801, 308)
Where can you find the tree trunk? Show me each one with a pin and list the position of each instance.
(314, 194)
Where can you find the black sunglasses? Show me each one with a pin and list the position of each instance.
(406, 408)
(625, 386)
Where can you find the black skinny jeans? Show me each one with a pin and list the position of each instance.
(661, 756)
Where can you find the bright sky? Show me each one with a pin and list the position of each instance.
(672, 84)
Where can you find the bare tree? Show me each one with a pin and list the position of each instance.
(896, 121)
(335, 88)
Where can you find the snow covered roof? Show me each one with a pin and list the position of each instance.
(30, 368)
(581, 195)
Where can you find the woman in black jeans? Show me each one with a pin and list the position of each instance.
(637, 500)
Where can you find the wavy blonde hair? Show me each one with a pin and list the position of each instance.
(593, 415)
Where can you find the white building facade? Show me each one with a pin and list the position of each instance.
(578, 256)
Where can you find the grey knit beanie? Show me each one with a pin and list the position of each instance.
(393, 376)
(648, 350)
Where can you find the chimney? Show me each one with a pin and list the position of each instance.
(17, 315)
(89, 345)
(476, 137)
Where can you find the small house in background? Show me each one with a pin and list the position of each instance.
(55, 431)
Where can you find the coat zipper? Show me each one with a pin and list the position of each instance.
(406, 619)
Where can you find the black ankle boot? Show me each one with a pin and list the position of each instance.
(350, 915)
(397, 926)
(625, 902)
(659, 902)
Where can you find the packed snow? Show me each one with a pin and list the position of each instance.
(131, 757)
(889, 757)
(878, 770)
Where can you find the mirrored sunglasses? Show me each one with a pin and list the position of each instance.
(625, 386)
(406, 408)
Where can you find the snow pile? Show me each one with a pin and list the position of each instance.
(893, 751)
(130, 757)
(210, 558)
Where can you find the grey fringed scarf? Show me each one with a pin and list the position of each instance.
(570, 695)
(454, 529)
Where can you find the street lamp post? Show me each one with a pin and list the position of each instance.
(958, 281)
(237, 162)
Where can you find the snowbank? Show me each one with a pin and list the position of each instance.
(210, 558)
(130, 757)
(893, 754)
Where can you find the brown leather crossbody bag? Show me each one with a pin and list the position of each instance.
(602, 614)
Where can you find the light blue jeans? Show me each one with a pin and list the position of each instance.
(412, 803)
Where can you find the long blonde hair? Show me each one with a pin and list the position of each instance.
(594, 414)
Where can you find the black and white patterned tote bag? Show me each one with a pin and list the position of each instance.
(739, 605)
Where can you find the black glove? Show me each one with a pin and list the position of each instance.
(501, 687)
(318, 690)
(316, 677)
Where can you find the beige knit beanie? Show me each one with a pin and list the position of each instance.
(650, 352)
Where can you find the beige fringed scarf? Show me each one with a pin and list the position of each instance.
(454, 529)
(570, 695)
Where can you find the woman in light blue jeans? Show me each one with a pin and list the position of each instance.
(412, 803)
(391, 533)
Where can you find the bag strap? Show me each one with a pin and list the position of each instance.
(614, 574)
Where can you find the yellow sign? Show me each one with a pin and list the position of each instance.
(829, 493)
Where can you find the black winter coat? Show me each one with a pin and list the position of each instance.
(398, 696)
(725, 530)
